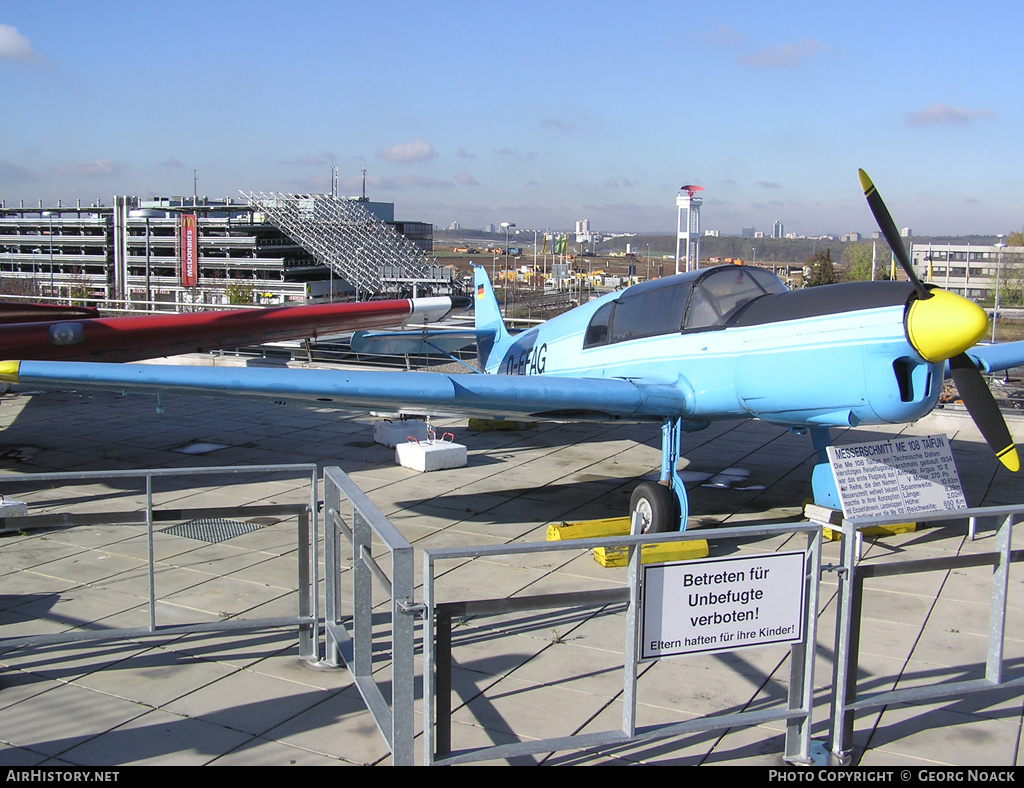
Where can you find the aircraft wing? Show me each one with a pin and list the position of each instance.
(416, 343)
(405, 392)
(998, 357)
(151, 336)
(17, 312)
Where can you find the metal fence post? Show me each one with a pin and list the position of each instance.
(308, 633)
(997, 612)
(362, 596)
(801, 658)
(332, 566)
(403, 635)
(847, 645)
(394, 716)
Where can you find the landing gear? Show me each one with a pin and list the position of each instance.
(663, 507)
(656, 506)
(823, 483)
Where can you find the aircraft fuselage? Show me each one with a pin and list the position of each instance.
(800, 358)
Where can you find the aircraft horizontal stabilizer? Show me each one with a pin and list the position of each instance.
(415, 343)
(409, 392)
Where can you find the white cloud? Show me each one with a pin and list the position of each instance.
(943, 113)
(555, 123)
(465, 179)
(97, 168)
(725, 35)
(785, 56)
(312, 159)
(410, 152)
(416, 181)
(515, 153)
(15, 46)
(14, 173)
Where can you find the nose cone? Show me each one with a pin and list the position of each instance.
(944, 325)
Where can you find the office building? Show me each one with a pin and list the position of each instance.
(174, 252)
(970, 270)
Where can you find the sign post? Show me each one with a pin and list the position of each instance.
(189, 250)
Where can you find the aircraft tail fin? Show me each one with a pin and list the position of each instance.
(488, 320)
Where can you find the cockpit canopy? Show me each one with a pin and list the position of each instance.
(697, 301)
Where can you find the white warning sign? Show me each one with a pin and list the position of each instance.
(722, 604)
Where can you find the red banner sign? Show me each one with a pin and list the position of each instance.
(189, 250)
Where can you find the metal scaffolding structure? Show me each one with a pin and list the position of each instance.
(344, 236)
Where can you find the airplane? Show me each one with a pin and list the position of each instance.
(16, 312)
(42, 331)
(726, 342)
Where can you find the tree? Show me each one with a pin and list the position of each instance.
(1011, 279)
(1015, 239)
(822, 270)
(78, 288)
(24, 289)
(240, 292)
(857, 260)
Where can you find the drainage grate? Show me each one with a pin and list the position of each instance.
(211, 530)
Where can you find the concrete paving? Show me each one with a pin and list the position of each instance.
(246, 698)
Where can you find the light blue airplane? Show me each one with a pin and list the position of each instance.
(729, 342)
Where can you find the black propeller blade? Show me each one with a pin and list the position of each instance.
(980, 403)
(889, 231)
(973, 389)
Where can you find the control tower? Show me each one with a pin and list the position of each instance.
(688, 228)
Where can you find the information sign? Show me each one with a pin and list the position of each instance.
(896, 477)
(722, 604)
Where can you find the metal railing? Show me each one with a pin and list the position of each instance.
(375, 639)
(846, 700)
(394, 715)
(437, 649)
(307, 539)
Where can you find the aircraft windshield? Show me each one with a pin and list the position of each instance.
(719, 296)
(699, 301)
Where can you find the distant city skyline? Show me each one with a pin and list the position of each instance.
(540, 115)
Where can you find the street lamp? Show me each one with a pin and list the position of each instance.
(359, 258)
(507, 226)
(49, 217)
(534, 259)
(147, 214)
(999, 265)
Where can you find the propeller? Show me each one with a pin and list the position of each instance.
(970, 384)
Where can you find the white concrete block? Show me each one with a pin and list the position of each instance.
(392, 433)
(435, 456)
(12, 508)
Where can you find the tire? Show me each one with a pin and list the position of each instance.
(657, 507)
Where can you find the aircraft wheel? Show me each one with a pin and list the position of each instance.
(657, 508)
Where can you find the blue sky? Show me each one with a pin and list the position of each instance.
(536, 113)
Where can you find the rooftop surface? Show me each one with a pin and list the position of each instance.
(246, 698)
